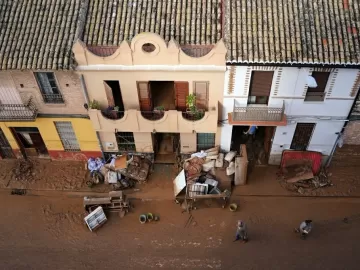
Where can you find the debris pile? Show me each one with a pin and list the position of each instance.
(199, 177)
(300, 178)
(24, 170)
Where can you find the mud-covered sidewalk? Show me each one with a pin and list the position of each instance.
(70, 176)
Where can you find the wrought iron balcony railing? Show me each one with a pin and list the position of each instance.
(258, 113)
(18, 112)
(53, 98)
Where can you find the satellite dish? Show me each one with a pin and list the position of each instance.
(311, 82)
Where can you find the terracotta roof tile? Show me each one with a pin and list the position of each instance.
(197, 22)
(292, 31)
(39, 34)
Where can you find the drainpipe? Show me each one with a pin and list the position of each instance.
(87, 100)
(83, 88)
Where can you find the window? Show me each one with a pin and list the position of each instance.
(205, 141)
(67, 136)
(125, 141)
(201, 91)
(48, 87)
(260, 87)
(318, 93)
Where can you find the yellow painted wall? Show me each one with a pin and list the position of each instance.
(83, 129)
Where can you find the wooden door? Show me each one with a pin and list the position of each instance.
(38, 143)
(5, 148)
(201, 90)
(181, 92)
(109, 95)
(269, 134)
(302, 136)
(144, 94)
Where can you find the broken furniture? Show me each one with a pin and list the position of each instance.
(115, 202)
(95, 219)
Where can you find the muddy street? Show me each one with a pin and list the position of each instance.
(39, 232)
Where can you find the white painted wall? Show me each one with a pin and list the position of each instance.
(291, 91)
(322, 140)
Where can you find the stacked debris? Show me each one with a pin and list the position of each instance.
(200, 171)
(138, 168)
(300, 178)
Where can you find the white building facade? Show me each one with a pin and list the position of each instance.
(302, 117)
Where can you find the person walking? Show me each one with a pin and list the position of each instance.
(241, 232)
(304, 228)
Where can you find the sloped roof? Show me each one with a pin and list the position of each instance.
(293, 31)
(39, 34)
(109, 22)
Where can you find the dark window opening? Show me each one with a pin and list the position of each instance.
(125, 141)
(302, 136)
(48, 87)
(205, 141)
(318, 93)
(115, 94)
(162, 94)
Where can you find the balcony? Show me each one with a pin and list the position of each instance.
(53, 98)
(153, 115)
(18, 112)
(261, 115)
(112, 114)
(171, 121)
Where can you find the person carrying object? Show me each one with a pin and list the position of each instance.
(251, 131)
(241, 232)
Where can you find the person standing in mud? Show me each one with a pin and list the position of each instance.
(304, 228)
(251, 132)
(241, 232)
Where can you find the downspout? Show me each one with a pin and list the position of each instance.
(87, 100)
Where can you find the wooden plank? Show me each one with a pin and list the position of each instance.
(304, 176)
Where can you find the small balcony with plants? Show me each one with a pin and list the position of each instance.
(112, 118)
(192, 113)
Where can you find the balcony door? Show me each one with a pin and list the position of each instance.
(260, 87)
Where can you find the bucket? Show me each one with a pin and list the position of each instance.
(233, 207)
(142, 219)
(150, 216)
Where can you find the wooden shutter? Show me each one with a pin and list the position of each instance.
(181, 92)
(109, 95)
(144, 96)
(261, 83)
(321, 79)
(202, 95)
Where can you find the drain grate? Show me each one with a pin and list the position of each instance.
(17, 191)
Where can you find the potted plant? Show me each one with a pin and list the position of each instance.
(159, 109)
(192, 111)
(94, 104)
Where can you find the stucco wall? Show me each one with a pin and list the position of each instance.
(83, 129)
(69, 86)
